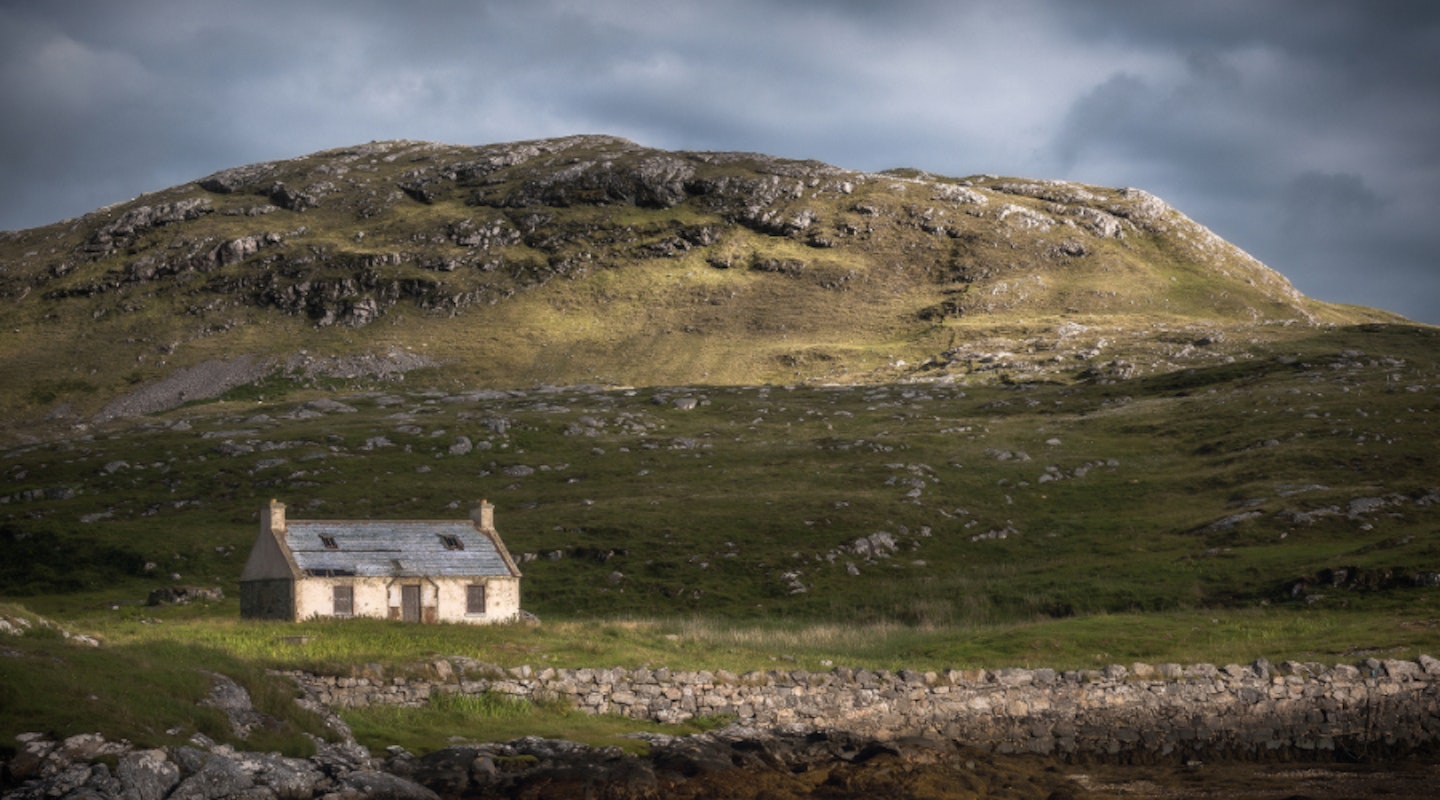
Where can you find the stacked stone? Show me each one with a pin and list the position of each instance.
(361, 691)
(1141, 712)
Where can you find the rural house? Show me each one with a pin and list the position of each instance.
(412, 570)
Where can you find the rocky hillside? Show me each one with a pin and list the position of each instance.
(891, 421)
(591, 259)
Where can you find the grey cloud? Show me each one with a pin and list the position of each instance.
(1257, 119)
(1321, 203)
(1110, 112)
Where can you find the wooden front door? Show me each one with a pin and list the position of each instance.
(410, 603)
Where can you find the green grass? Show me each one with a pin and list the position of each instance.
(149, 693)
(144, 683)
(1400, 627)
(653, 511)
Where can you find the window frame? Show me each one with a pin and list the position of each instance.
(342, 596)
(471, 591)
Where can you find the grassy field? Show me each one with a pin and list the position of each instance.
(145, 680)
(1282, 506)
(939, 504)
(692, 643)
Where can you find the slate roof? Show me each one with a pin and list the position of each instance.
(398, 548)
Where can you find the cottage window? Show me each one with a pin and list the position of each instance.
(451, 541)
(344, 598)
(330, 572)
(328, 541)
(475, 598)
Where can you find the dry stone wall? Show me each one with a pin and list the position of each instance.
(1141, 713)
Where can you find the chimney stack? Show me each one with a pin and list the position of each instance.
(275, 519)
(483, 515)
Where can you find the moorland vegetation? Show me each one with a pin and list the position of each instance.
(734, 412)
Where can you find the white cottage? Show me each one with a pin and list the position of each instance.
(411, 570)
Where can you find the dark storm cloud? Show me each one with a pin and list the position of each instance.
(1321, 202)
(1304, 130)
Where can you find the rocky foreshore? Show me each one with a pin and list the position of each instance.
(729, 764)
(734, 762)
(88, 766)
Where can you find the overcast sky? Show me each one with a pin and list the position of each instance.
(1305, 131)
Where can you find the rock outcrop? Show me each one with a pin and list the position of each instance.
(733, 762)
(89, 766)
(141, 219)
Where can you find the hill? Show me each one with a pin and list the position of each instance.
(593, 260)
(709, 383)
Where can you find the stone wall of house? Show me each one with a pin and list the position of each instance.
(1144, 712)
